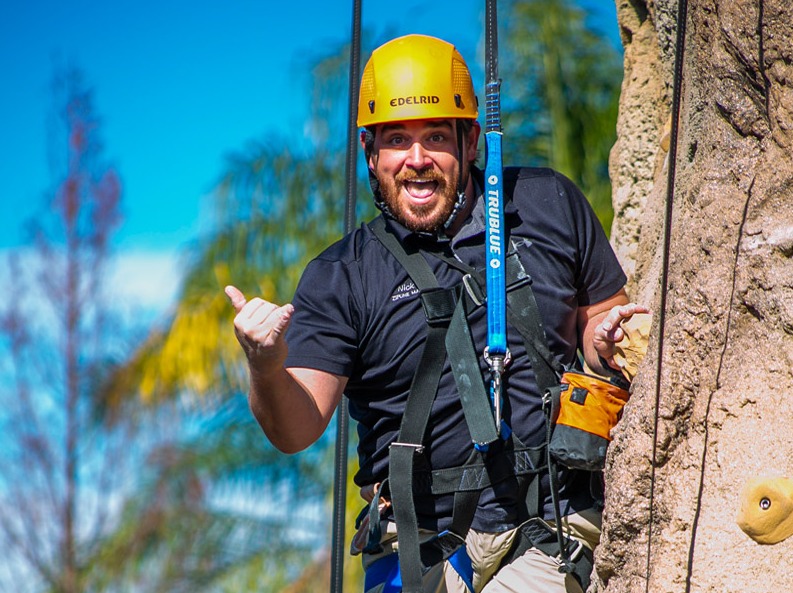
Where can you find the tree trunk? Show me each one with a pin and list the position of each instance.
(724, 409)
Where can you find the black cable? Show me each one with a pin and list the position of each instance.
(680, 44)
(493, 84)
(342, 413)
(352, 129)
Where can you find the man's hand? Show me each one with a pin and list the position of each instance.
(259, 327)
(293, 406)
(608, 332)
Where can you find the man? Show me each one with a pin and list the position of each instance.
(361, 320)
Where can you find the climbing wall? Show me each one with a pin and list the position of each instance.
(697, 488)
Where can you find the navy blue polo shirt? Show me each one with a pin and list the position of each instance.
(358, 315)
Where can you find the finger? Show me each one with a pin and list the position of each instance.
(619, 314)
(237, 298)
(632, 309)
(610, 334)
(610, 327)
(256, 310)
(263, 322)
(367, 492)
(284, 315)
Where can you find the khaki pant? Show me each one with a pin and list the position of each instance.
(534, 572)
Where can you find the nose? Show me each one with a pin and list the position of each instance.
(417, 157)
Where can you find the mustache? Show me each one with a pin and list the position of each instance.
(425, 175)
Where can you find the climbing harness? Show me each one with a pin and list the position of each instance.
(496, 455)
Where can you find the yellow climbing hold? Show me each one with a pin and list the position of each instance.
(766, 513)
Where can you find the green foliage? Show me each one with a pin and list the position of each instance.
(214, 511)
(560, 95)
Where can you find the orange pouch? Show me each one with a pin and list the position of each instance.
(589, 407)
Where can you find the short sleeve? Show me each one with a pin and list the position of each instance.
(323, 334)
(599, 273)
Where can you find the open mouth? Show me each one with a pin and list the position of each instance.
(420, 189)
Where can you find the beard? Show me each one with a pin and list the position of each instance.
(428, 217)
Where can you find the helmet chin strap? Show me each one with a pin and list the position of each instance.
(459, 206)
(378, 197)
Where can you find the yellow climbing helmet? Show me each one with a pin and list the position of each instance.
(415, 77)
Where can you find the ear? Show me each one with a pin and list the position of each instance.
(472, 141)
(368, 157)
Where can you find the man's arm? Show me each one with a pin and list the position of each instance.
(599, 329)
(293, 406)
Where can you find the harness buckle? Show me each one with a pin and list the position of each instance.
(419, 449)
(578, 550)
(474, 291)
(448, 542)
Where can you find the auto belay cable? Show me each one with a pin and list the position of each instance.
(677, 91)
(496, 353)
(342, 412)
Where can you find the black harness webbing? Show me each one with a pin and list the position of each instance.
(439, 306)
(522, 312)
(446, 312)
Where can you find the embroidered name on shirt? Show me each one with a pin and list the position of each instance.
(403, 291)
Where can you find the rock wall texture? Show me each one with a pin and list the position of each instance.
(724, 411)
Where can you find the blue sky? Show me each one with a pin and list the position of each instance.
(179, 85)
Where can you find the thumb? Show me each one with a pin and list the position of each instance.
(237, 298)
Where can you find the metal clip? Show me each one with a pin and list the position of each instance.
(416, 448)
(497, 364)
(577, 551)
(473, 290)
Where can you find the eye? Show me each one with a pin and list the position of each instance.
(395, 140)
(438, 138)
(765, 503)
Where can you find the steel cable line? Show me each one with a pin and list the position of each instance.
(680, 44)
(342, 412)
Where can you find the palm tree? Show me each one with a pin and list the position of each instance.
(561, 93)
(275, 208)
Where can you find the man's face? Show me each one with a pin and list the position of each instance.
(417, 167)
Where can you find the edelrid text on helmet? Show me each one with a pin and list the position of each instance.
(415, 77)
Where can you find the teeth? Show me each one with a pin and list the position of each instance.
(420, 189)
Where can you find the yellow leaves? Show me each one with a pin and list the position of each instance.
(194, 351)
(267, 289)
(197, 354)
